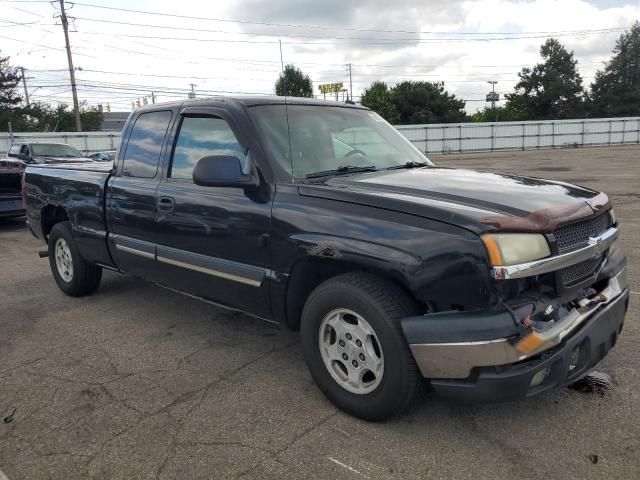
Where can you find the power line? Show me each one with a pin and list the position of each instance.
(321, 27)
(280, 34)
(272, 62)
(326, 73)
(367, 41)
(47, 47)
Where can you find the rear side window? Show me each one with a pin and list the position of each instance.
(15, 149)
(142, 154)
(200, 137)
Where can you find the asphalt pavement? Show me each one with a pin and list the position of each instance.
(137, 382)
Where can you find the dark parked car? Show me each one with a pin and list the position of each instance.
(11, 171)
(107, 156)
(37, 153)
(324, 218)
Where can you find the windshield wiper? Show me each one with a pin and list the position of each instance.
(342, 169)
(409, 165)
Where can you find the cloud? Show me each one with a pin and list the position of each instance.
(245, 57)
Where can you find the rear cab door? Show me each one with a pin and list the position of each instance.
(131, 193)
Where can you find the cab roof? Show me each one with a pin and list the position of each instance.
(250, 101)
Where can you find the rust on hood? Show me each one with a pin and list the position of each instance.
(546, 220)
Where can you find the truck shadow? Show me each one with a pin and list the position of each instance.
(12, 224)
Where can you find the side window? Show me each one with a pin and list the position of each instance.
(25, 150)
(143, 149)
(200, 137)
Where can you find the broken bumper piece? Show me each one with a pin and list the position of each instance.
(488, 363)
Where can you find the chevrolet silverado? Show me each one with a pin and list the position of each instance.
(323, 217)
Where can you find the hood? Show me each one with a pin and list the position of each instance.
(102, 167)
(458, 196)
(47, 160)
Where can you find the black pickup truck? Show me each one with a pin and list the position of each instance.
(323, 217)
(37, 153)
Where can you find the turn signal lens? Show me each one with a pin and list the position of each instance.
(495, 256)
(531, 342)
(512, 248)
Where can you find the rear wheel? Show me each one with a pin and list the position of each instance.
(355, 348)
(73, 274)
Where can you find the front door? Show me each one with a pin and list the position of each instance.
(212, 241)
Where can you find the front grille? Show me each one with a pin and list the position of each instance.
(580, 271)
(576, 235)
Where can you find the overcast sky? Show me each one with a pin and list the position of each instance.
(232, 46)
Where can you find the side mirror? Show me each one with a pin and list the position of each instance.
(223, 171)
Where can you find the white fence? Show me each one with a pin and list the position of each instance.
(477, 137)
(432, 138)
(86, 142)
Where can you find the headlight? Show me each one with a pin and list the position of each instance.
(614, 219)
(513, 248)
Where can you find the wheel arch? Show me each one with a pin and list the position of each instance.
(310, 271)
(50, 215)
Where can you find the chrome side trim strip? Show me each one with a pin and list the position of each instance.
(597, 246)
(134, 251)
(209, 271)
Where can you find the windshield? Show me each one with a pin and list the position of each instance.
(324, 139)
(54, 150)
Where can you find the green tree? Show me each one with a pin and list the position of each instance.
(552, 89)
(497, 114)
(377, 97)
(38, 117)
(426, 102)
(615, 91)
(293, 83)
(41, 117)
(9, 97)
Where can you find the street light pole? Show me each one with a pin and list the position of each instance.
(72, 75)
(350, 84)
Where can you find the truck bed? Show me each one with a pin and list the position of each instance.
(77, 191)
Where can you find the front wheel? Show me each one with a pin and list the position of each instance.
(355, 348)
(73, 274)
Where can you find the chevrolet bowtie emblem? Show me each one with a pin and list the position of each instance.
(599, 245)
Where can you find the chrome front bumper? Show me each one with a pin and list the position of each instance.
(596, 247)
(455, 360)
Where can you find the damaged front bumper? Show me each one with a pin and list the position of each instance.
(479, 356)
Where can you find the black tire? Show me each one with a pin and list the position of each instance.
(382, 303)
(85, 277)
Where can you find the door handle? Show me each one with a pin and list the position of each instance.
(165, 204)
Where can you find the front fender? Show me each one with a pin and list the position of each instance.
(439, 263)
